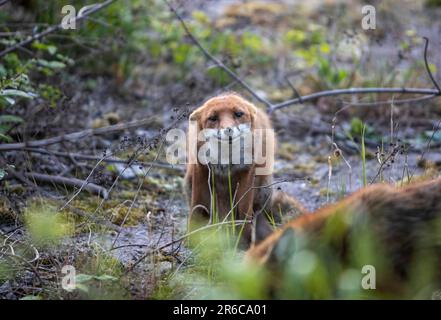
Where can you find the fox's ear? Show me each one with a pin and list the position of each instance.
(195, 115)
(252, 109)
(284, 248)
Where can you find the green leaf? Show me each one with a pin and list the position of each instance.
(51, 64)
(436, 136)
(80, 278)
(106, 277)
(44, 47)
(363, 156)
(200, 17)
(52, 49)
(17, 93)
(45, 225)
(5, 138)
(82, 287)
(356, 127)
(31, 297)
(3, 174)
(9, 100)
(10, 118)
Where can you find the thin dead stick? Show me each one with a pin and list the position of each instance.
(83, 185)
(382, 164)
(426, 63)
(350, 91)
(54, 28)
(22, 178)
(211, 195)
(387, 102)
(412, 100)
(96, 158)
(136, 195)
(301, 99)
(74, 136)
(25, 262)
(435, 130)
(255, 188)
(132, 160)
(431, 92)
(296, 93)
(153, 141)
(73, 182)
(215, 60)
(209, 226)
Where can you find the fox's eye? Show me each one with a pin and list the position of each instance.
(213, 118)
(238, 114)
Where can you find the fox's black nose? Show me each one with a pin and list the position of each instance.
(229, 131)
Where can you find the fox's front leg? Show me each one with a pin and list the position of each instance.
(244, 199)
(199, 199)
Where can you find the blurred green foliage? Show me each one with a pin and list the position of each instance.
(46, 225)
(331, 265)
(100, 276)
(433, 3)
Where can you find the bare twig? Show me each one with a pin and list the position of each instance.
(84, 183)
(430, 93)
(79, 156)
(54, 28)
(74, 136)
(423, 154)
(136, 196)
(426, 63)
(152, 141)
(388, 102)
(338, 92)
(256, 188)
(209, 226)
(217, 61)
(29, 265)
(296, 93)
(73, 182)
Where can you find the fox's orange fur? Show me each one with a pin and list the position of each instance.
(248, 188)
(401, 218)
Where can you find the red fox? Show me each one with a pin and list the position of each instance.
(232, 188)
(405, 222)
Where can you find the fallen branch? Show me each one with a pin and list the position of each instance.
(74, 136)
(185, 236)
(215, 60)
(337, 92)
(389, 102)
(78, 156)
(54, 28)
(152, 143)
(429, 93)
(73, 182)
(426, 63)
(71, 208)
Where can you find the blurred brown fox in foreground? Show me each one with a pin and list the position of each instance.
(404, 222)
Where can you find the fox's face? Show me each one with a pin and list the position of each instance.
(226, 114)
(224, 132)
